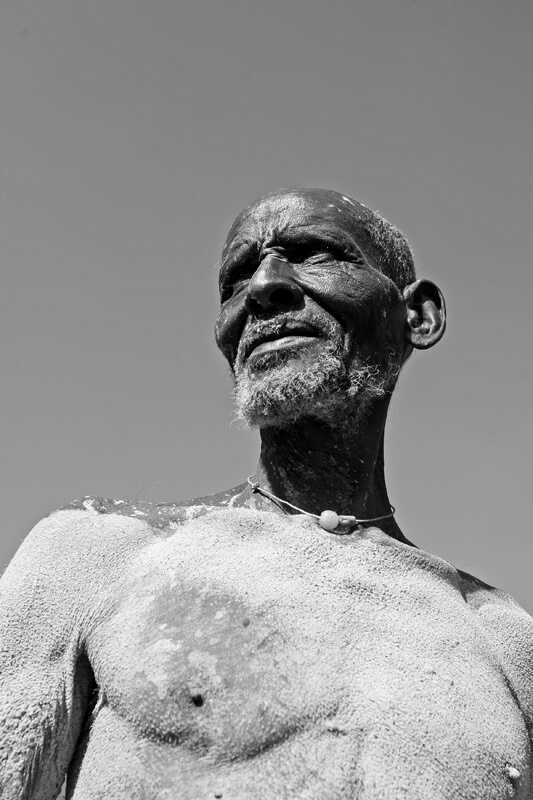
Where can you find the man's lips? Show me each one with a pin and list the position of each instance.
(278, 344)
(284, 336)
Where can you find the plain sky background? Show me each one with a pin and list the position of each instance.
(133, 132)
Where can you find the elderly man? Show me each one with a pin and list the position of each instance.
(282, 639)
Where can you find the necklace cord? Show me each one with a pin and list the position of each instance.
(256, 488)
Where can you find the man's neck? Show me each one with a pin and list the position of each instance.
(317, 466)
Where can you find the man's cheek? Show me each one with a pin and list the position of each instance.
(349, 294)
(228, 329)
(348, 304)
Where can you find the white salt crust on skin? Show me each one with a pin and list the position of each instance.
(327, 667)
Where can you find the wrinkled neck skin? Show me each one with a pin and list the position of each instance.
(317, 467)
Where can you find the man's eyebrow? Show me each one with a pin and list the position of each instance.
(310, 229)
(309, 234)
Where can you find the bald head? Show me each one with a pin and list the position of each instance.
(382, 244)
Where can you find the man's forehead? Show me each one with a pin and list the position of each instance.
(291, 209)
(307, 201)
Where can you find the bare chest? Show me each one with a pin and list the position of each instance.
(242, 634)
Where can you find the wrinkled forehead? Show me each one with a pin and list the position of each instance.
(293, 209)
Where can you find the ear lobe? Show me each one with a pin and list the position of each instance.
(426, 314)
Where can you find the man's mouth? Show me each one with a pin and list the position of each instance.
(280, 344)
(284, 336)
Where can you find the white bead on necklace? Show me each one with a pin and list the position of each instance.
(328, 520)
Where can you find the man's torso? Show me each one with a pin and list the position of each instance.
(245, 654)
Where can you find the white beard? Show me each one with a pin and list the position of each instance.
(289, 385)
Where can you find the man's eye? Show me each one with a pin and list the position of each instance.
(312, 252)
(235, 278)
(229, 289)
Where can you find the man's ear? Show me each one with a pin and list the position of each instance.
(426, 314)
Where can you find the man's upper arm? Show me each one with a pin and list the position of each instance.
(45, 679)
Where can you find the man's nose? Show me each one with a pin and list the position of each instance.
(273, 286)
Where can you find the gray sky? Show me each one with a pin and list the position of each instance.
(131, 135)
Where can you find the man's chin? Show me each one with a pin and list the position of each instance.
(278, 394)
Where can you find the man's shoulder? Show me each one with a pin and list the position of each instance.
(509, 630)
(88, 543)
(92, 526)
(77, 532)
